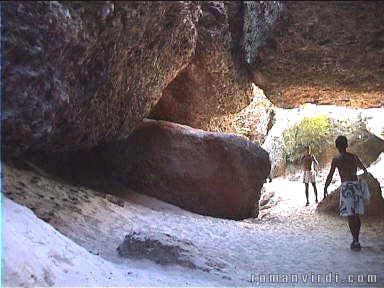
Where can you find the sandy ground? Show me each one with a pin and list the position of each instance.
(289, 241)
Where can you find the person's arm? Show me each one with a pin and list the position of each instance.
(360, 164)
(329, 177)
(315, 160)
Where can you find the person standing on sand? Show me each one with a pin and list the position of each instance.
(308, 173)
(352, 192)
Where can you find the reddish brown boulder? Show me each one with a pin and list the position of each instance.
(81, 73)
(208, 173)
(375, 208)
(215, 174)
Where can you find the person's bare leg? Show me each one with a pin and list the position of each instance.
(315, 190)
(358, 226)
(354, 226)
(306, 193)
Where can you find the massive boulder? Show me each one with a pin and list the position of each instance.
(375, 123)
(324, 52)
(367, 146)
(215, 174)
(82, 73)
(209, 173)
(375, 208)
(217, 82)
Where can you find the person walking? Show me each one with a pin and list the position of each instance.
(309, 163)
(352, 192)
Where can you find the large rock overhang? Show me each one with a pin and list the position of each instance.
(324, 53)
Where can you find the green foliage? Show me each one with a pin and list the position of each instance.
(314, 132)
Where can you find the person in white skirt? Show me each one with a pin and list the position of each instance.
(309, 172)
(353, 193)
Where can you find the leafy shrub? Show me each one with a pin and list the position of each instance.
(314, 132)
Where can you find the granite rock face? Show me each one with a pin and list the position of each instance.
(260, 18)
(83, 73)
(80, 74)
(217, 81)
(324, 53)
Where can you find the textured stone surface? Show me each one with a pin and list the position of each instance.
(82, 73)
(216, 82)
(375, 208)
(259, 19)
(367, 146)
(215, 174)
(253, 122)
(209, 173)
(324, 52)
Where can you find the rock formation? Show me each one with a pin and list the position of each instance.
(325, 53)
(209, 173)
(216, 81)
(253, 122)
(83, 73)
(81, 76)
(367, 146)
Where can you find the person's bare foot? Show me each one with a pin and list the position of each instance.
(355, 246)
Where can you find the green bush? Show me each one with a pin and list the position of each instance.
(314, 132)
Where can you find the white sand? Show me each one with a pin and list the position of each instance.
(290, 239)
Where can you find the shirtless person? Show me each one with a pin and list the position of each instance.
(352, 192)
(309, 175)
